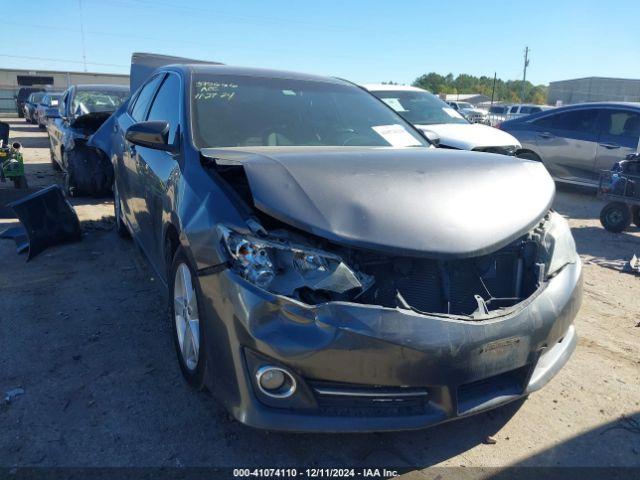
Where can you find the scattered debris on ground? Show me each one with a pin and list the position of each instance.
(13, 393)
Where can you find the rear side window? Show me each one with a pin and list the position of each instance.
(166, 105)
(574, 121)
(514, 109)
(139, 109)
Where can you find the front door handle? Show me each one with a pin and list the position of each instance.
(610, 146)
(546, 135)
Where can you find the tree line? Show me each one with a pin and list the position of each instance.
(506, 91)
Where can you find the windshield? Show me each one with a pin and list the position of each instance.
(52, 100)
(92, 101)
(36, 97)
(420, 108)
(465, 105)
(236, 111)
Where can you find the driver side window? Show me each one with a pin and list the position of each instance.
(140, 107)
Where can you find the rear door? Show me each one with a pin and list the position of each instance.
(619, 134)
(567, 142)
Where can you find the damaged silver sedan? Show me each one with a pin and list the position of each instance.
(328, 269)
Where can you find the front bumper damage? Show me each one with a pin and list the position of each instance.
(369, 368)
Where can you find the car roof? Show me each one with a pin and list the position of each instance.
(575, 106)
(380, 87)
(219, 69)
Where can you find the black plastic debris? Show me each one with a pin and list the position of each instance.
(48, 219)
(13, 393)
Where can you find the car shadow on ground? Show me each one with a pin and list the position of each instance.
(611, 450)
(32, 142)
(577, 202)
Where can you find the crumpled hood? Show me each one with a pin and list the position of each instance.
(90, 121)
(468, 136)
(409, 201)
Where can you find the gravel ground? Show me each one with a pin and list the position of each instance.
(84, 331)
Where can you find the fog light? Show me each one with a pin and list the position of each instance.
(275, 382)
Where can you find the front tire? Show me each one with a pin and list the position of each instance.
(186, 308)
(616, 217)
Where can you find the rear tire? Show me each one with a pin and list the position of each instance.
(56, 165)
(635, 214)
(616, 217)
(69, 180)
(121, 228)
(185, 295)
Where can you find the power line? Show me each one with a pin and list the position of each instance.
(62, 60)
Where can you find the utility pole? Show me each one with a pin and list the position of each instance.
(84, 51)
(493, 89)
(524, 74)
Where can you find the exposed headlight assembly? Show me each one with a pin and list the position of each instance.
(558, 246)
(282, 267)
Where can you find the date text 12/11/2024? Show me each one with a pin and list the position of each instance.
(314, 473)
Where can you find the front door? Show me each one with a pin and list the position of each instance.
(619, 133)
(157, 167)
(129, 168)
(568, 143)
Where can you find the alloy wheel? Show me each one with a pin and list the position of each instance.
(187, 322)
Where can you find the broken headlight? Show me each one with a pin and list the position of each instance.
(282, 268)
(558, 246)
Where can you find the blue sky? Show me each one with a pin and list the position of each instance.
(364, 41)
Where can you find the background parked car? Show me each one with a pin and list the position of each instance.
(576, 142)
(471, 113)
(82, 109)
(429, 113)
(498, 114)
(521, 110)
(30, 105)
(47, 108)
(23, 95)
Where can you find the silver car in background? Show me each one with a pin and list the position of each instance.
(577, 142)
(470, 112)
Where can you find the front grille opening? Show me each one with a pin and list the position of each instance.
(472, 287)
(508, 384)
(348, 400)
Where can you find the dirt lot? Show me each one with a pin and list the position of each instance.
(84, 331)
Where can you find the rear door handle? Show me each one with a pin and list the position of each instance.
(610, 146)
(546, 135)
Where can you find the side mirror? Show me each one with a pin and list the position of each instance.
(153, 134)
(433, 137)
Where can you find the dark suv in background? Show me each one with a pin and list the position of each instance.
(578, 141)
(23, 95)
